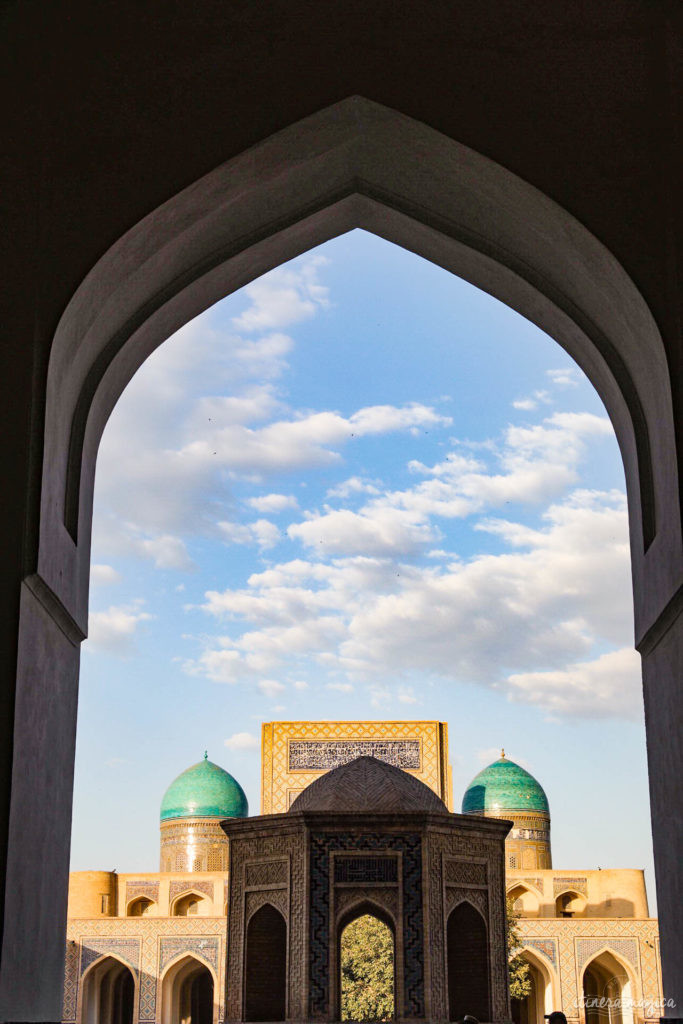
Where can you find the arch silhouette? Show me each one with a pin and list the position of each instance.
(108, 992)
(569, 902)
(468, 963)
(265, 975)
(354, 164)
(544, 996)
(529, 900)
(188, 989)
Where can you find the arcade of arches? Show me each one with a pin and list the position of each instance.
(165, 919)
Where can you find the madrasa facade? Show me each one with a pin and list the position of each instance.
(243, 920)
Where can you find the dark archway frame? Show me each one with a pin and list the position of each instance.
(355, 164)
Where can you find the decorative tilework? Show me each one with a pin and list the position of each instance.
(577, 884)
(203, 946)
(70, 981)
(279, 786)
(94, 947)
(105, 933)
(462, 872)
(365, 869)
(323, 755)
(177, 886)
(587, 948)
(148, 889)
(536, 882)
(548, 947)
(319, 914)
(273, 872)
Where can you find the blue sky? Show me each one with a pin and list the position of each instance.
(361, 488)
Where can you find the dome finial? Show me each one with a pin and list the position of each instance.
(502, 752)
(206, 755)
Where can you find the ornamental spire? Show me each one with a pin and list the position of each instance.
(502, 752)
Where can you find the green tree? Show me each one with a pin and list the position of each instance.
(518, 968)
(367, 971)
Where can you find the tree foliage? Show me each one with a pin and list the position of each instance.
(367, 971)
(518, 968)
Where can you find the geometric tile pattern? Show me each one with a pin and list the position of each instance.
(536, 882)
(546, 946)
(148, 889)
(587, 948)
(577, 939)
(319, 914)
(178, 885)
(279, 785)
(323, 755)
(205, 946)
(459, 872)
(126, 949)
(121, 935)
(273, 872)
(70, 982)
(577, 884)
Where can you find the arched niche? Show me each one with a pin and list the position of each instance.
(467, 961)
(142, 906)
(108, 993)
(525, 902)
(369, 913)
(188, 992)
(570, 904)
(190, 904)
(265, 975)
(608, 990)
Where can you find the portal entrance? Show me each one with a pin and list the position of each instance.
(187, 993)
(108, 994)
(367, 969)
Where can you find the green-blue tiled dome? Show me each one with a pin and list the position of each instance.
(504, 787)
(204, 791)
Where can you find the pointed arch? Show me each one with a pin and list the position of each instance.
(265, 970)
(181, 904)
(609, 989)
(189, 991)
(109, 992)
(467, 957)
(525, 901)
(544, 996)
(364, 907)
(141, 906)
(570, 903)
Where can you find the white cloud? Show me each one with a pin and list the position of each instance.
(340, 687)
(167, 552)
(271, 687)
(114, 630)
(372, 531)
(567, 378)
(103, 575)
(242, 741)
(271, 504)
(283, 297)
(525, 404)
(261, 532)
(301, 684)
(607, 687)
(548, 601)
(354, 485)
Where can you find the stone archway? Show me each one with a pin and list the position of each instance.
(607, 991)
(108, 993)
(187, 993)
(356, 164)
(541, 999)
(351, 962)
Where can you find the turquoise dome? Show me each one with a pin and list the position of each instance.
(504, 787)
(204, 791)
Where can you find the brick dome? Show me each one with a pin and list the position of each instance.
(365, 785)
